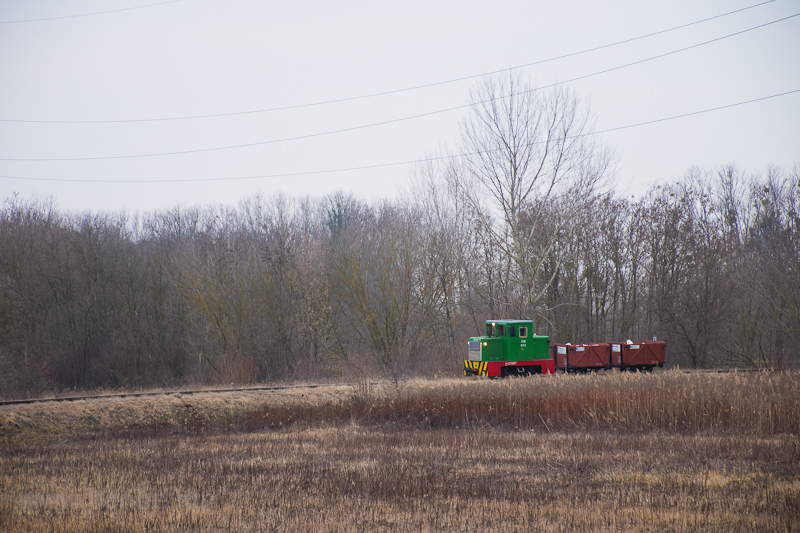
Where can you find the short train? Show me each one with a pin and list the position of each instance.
(510, 348)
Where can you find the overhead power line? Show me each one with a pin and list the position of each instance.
(384, 93)
(385, 122)
(396, 163)
(89, 14)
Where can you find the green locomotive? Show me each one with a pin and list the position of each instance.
(509, 349)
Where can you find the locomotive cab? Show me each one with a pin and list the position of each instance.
(508, 348)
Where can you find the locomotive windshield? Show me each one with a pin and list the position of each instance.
(495, 330)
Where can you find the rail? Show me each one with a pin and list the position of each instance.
(156, 393)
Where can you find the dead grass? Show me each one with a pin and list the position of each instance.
(614, 452)
(357, 479)
(758, 404)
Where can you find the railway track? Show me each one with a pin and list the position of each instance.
(157, 393)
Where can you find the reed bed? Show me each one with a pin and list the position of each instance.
(610, 452)
(368, 479)
(752, 403)
(761, 403)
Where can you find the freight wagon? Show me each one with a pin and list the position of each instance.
(510, 348)
(581, 357)
(638, 355)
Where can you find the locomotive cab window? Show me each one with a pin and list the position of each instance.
(523, 332)
(501, 330)
(512, 331)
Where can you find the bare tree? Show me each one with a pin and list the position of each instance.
(522, 150)
(771, 255)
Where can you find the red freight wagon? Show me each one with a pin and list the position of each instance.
(589, 356)
(560, 355)
(581, 357)
(641, 355)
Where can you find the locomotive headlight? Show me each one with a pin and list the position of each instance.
(485, 344)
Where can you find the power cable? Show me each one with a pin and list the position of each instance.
(392, 121)
(397, 163)
(89, 14)
(384, 93)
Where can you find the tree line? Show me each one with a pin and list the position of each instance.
(280, 288)
(519, 225)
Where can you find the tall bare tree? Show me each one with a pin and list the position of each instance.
(523, 150)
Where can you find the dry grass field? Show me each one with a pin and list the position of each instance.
(611, 452)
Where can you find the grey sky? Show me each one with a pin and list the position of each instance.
(201, 57)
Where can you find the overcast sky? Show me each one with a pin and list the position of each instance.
(67, 69)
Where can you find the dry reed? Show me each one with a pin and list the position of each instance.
(616, 452)
(753, 403)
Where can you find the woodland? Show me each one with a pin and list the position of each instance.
(522, 223)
